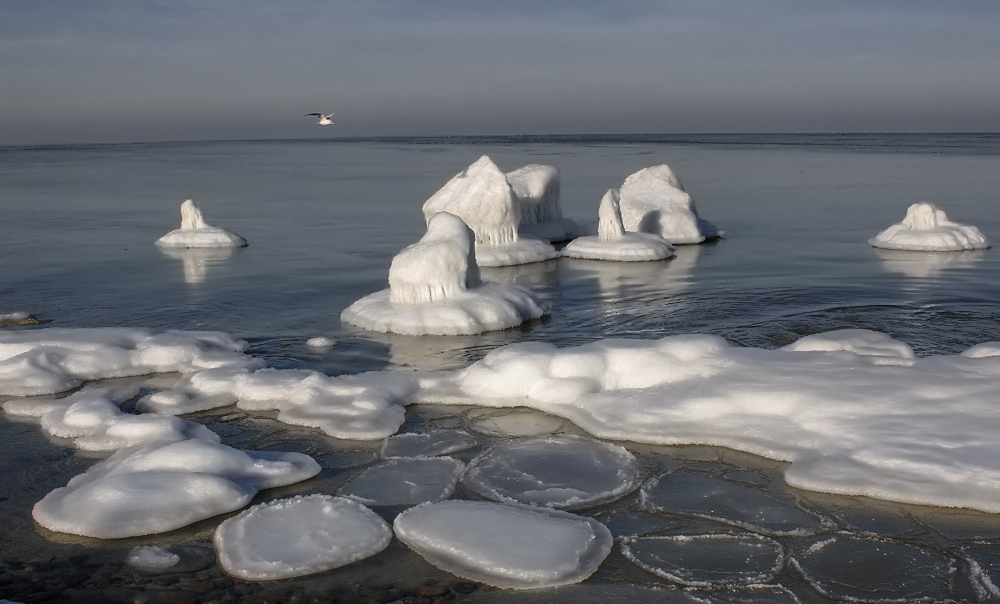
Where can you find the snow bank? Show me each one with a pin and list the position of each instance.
(434, 289)
(299, 536)
(195, 232)
(525, 250)
(536, 188)
(46, 361)
(504, 545)
(927, 229)
(613, 243)
(653, 200)
(164, 486)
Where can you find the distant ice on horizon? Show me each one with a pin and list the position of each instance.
(927, 229)
(196, 233)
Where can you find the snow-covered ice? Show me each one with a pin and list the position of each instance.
(427, 444)
(434, 288)
(562, 472)
(299, 536)
(707, 560)
(195, 232)
(536, 188)
(162, 487)
(321, 342)
(927, 229)
(151, 557)
(653, 200)
(613, 243)
(505, 545)
(482, 197)
(406, 481)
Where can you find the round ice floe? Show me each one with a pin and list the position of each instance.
(563, 472)
(708, 559)
(151, 557)
(986, 349)
(299, 536)
(321, 342)
(613, 243)
(427, 444)
(405, 481)
(927, 229)
(859, 569)
(195, 232)
(519, 423)
(723, 501)
(523, 251)
(505, 545)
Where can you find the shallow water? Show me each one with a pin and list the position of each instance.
(324, 219)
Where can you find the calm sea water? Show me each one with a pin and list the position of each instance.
(324, 219)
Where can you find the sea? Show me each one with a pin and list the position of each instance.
(324, 218)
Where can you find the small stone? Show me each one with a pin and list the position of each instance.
(432, 591)
(78, 560)
(200, 587)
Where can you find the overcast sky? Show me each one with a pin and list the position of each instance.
(75, 71)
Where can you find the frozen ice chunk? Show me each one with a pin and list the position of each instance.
(46, 361)
(724, 501)
(518, 423)
(654, 201)
(481, 196)
(563, 472)
(523, 251)
(505, 545)
(927, 229)
(321, 342)
(857, 341)
(707, 560)
(434, 289)
(427, 444)
(860, 569)
(299, 536)
(613, 243)
(159, 488)
(195, 232)
(151, 557)
(536, 188)
(405, 481)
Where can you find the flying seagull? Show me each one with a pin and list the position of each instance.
(324, 120)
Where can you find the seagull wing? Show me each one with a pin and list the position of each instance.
(316, 114)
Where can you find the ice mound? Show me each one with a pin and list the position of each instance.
(195, 232)
(505, 545)
(162, 487)
(536, 188)
(46, 361)
(364, 407)
(927, 229)
(562, 472)
(434, 289)
(299, 536)
(151, 557)
(707, 560)
(883, 349)
(405, 481)
(427, 444)
(321, 342)
(653, 200)
(724, 501)
(613, 243)
(482, 197)
(858, 569)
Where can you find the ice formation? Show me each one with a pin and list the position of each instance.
(707, 560)
(299, 536)
(536, 188)
(481, 196)
(197, 261)
(613, 243)
(505, 545)
(927, 229)
(321, 342)
(434, 289)
(427, 444)
(405, 481)
(653, 200)
(164, 486)
(562, 472)
(151, 557)
(195, 232)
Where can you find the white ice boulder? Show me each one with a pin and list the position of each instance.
(405, 481)
(561, 472)
(927, 229)
(653, 200)
(536, 188)
(299, 536)
(195, 232)
(505, 545)
(613, 243)
(434, 289)
(162, 487)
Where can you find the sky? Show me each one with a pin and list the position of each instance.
(106, 71)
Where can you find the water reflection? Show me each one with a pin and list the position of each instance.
(534, 275)
(433, 353)
(927, 265)
(620, 279)
(198, 260)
